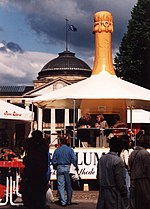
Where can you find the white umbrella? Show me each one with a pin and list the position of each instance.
(90, 91)
(102, 86)
(13, 112)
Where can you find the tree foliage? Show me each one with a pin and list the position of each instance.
(132, 62)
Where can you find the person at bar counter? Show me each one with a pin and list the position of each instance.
(111, 179)
(120, 128)
(84, 122)
(139, 167)
(62, 158)
(34, 177)
(102, 124)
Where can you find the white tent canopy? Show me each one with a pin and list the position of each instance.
(13, 112)
(102, 86)
(138, 116)
(97, 89)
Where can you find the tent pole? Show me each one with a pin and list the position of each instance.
(32, 123)
(74, 114)
(131, 125)
(131, 116)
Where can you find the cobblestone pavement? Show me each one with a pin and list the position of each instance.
(88, 196)
(80, 200)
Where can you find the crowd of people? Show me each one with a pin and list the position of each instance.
(123, 174)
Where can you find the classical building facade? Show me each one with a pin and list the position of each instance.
(65, 69)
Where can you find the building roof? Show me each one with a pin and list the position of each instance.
(14, 90)
(65, 64)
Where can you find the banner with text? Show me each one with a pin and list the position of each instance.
(87, 162)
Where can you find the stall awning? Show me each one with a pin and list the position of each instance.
(138, 116)
(13, 112)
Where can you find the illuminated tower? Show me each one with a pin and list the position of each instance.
(103, 28)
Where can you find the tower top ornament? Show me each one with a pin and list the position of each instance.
(103, 28)
(103, 22)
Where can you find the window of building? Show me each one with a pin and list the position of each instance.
(59, 114)
(71, 112)
(46, 115)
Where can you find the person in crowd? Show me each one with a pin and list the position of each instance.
(49, 194)
(102, 124)
(34, 176)
(84, 122)
(131, 146)
(62, 158)
(139, 166)
(126, 150)
(111, 178)
(120, 128)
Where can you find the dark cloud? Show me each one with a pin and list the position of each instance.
(47, 18)
(7, 80)
(1, 29)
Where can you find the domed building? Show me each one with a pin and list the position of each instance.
(64, 70)
(66, 66)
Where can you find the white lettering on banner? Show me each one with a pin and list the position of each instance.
(87, 161)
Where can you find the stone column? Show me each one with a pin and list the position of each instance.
(40, 119)
(27, 106)
(66, 122)
(53, 128)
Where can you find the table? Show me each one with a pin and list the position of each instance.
(12, 186)
(11, 164)
(88, 134)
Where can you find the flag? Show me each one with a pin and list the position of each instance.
(72, 28)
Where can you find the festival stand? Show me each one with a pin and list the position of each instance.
(11, 186)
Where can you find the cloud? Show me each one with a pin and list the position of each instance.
(4, 3)
(47, 18)
(16, 68)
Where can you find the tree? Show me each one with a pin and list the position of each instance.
(132, 62)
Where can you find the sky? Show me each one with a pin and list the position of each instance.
(38, 27)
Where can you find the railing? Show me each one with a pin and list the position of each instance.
(92, 133)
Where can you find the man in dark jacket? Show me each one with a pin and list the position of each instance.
(139, 165)
(111, 178)
(34, 179)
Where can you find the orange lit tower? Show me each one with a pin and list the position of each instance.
(103, 28)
